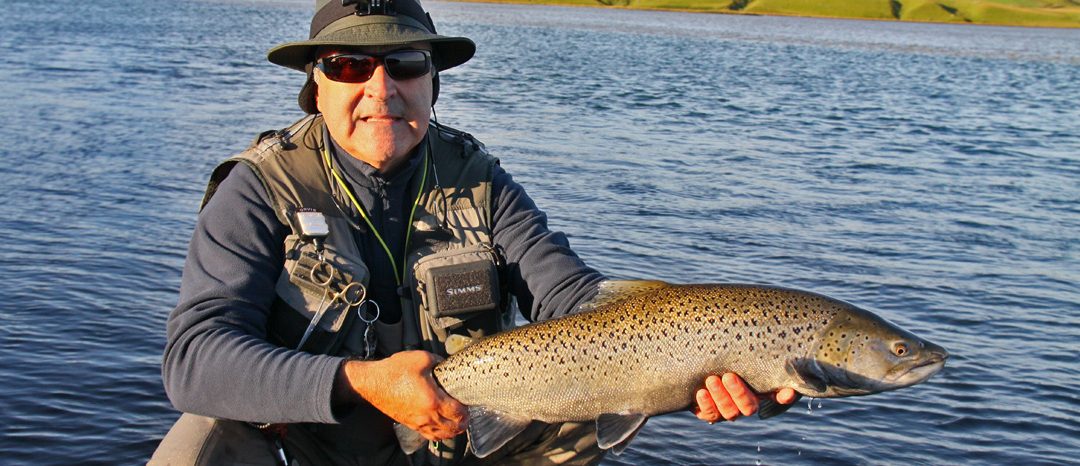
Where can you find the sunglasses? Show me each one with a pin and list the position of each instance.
(358, 67)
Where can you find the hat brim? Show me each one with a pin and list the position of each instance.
(447, 51)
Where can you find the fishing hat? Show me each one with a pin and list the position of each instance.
(358, 23)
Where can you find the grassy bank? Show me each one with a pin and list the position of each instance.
(1038, 13)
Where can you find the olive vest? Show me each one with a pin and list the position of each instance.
(453, 284)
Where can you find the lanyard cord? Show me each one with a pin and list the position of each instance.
(399, 276)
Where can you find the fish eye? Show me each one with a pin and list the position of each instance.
(901, 349)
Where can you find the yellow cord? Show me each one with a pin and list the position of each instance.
(399, 276)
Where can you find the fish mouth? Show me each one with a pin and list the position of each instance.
(920, 371)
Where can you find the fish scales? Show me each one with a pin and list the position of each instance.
(634, 354)
(644, 348)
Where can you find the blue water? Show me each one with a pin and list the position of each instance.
(928, 172)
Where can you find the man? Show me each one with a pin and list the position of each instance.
(335, 261)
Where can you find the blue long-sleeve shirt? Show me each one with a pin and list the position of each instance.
(217, 360)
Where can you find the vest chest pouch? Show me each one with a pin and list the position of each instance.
(309, 283)
(456, 285)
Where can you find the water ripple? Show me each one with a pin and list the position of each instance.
(856, 159)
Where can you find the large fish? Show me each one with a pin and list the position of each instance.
(644, 348)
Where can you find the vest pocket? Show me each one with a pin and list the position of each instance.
(308, 283)
(457, 285)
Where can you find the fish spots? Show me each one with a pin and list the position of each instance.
(619, 343)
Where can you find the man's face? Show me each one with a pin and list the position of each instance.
(378, 121)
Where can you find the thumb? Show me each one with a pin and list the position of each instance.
(786, 396)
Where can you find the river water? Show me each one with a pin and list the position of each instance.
(930, 173)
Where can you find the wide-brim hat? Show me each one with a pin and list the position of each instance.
(359, 23)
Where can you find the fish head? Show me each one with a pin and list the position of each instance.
(859, 353)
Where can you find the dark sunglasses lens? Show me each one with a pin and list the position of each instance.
(349, 69)
(407, 64)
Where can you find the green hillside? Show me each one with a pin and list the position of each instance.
(1044, 13)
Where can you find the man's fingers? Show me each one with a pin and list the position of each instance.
(455, 415)
(706, 408)
(720, 396)
(440, 428)
(743, 398)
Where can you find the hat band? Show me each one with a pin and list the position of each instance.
(329, 13)
(335, 10)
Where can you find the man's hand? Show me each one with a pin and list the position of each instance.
(729, 397)
(401, 386)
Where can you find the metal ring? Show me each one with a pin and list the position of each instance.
(351, 288)
(360, 313)
(323, 266)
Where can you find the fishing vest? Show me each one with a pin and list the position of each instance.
(453, 283)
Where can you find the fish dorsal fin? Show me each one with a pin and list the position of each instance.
(617, 430)
(612, 291)
(455, 343)
(770, 407)
(806, 374)
(489, 429)
(410, 440)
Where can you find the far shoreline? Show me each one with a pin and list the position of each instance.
(597, 5)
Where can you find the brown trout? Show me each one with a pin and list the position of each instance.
(643, 348)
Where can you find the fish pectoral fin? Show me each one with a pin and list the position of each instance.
(612, 291)
(410, 440)
(806, 374)
(619, 447)
(489, 429)
(617, 430)
(770, 407)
